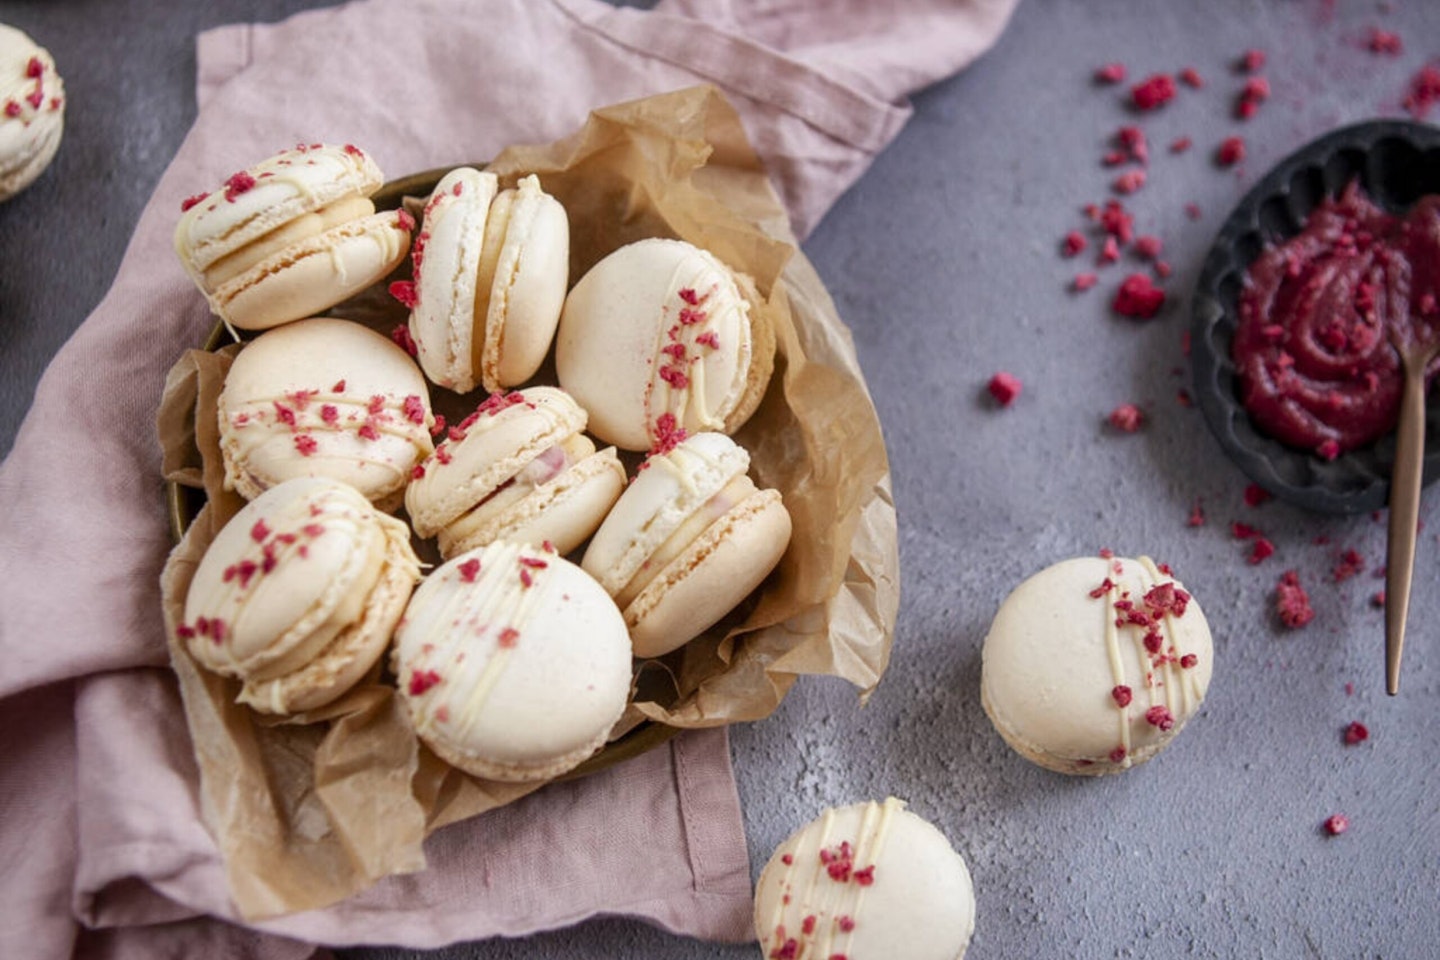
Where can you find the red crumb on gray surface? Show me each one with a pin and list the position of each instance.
(1153, 92)
(1424, 91)
(1004, 387)
(1230, 152)
(1256, 495)
(1356, 732)
(1127, 418)
(1197, 515)
(1336, 824)
(1083, 282)
(1292, 603)
(1138, 297)
(1110, 73)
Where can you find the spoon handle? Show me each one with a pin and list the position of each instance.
(1404, 515)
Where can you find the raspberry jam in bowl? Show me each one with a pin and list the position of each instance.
(1333, 251)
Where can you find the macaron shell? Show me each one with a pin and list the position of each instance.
(513, 662)
(280, 396)
(531, 277)
(762, 359)
(29, 139)
(625, 313)
(444, 322)
(494, 448)
(1053, 655)
(670, 489)
(917, 901)
(723, 565)
(311, 276)
(285, 186)
(564, 512)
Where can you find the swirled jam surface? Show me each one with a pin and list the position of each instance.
(1317, 316)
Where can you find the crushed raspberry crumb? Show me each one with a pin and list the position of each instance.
(1356, 732)
(13, 108)
(1192, 210)
(1129, 181)
(1252, 61)
(1383, 41)
(1117, 755)
(34, 68)
(1230, 152)
(422, 680)
(845, 923)
(1122, 694)
(369, 431)
(1292, 603)
(330, 414)
(402, 338)
(787, 859)
(1191, 78)
(1424, 91)
(1004, 387)
(35, 97)
(1105, 587)
(1377, 599)
(189, 202)
(404, 291)
(1260, 550)
(1110, 73)
(1256, 495)
(1336, 824)
(507, 637)
(443, 455)
(417, 472)
(1197, 515)
(1154, 92)
(526, 580)
(1138, 297)
(788, 950)
(1117, 222)
(689, 295)
(1074, 243)
(414, 409)
(865, 877)
(376, 404)
(1132, 140)
(260, 531)
(690, 317)
(1148, 246)
(1159, 716)
(1109, 251)
(238, 183)
(284, 414)
(305, 444)
(1189, 661)
(1328, 450)
(1126, 418)
(709, 339)
(1349, 565)
(1180, 144)
(1083, 282)
(469, 570)
(403, 220)
(439, 426)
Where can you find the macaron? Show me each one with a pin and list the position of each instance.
(518, 468)
(866, 881)
(491, 268)
(513, 663)
(1095, 664)
(324, 397)
(660, 331)
(299, 594)
(291, 236)
(691, 537)
(32, 110)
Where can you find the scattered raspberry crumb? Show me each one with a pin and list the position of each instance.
(404, 221)
(1129, 181)
(846, 924)
(1154, 92)
(1109, 251)
(34, 68)
(1256, 495)
(13, 108)
(1148, 246)
(238, 183)
(1126, 418)
(1424, 91)
(1349, 564)
(1122, 695)
(1252, 61)
(369, 431)
(1111, 73)
(1328, 450)
(1292, 603)
(1377, 599)
(404, 291)
(1117, 755)
(1230, 152)
(1189, 661)
(305, 444)
(787, 859)
(1182, 397)
(1191, 78)
(1356, 732)
(1197, 515)
(507, 637)
(1180, 144)
(414, 409)
(1159, 716)
(1163, 270)
(1083, 282)
(1255, 92)
(1260, 550)
(1004, 387)
(260, 531)
(185, 204)
(1138, 297)
(469, 570)
(865, 877)
(1336, 824)
(1243, 531)
(1383, 41)
(402, 338)
(417, 472)
(1192, 210)
(1074, 243)
(1132, 140)
(1116, 221)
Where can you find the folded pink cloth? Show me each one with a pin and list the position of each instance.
(102, 836)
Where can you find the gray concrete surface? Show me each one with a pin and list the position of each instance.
(944, 259)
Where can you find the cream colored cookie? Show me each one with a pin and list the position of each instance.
(299, 593)
(32, 110)
(1095, 664)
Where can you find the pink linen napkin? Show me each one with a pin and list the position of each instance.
(101, 831)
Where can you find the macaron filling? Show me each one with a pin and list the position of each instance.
(549, 464)
(294, 231)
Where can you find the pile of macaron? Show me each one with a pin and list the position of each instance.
(580, 523)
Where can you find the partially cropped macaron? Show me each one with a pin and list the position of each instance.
(291, 236)
(661, 331)
(491, 268)
(299, 594)
(519, 468)
(688, 540)
(870, 881)
(324, 397)
(1095, 664)
(513, 662)
(32, 110)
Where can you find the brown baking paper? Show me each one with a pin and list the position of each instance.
(311, 809)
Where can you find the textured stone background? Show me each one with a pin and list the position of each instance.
(944, 260)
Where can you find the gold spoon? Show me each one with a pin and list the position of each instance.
(1415, 356)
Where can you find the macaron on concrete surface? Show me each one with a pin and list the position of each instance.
(32, 110)
(661, 328)
(518, 468)
(299, 594)
(1095, 664)
(513, 662)
(291, 236)
(324, 397)
(869, 881)
(687, 541)
(491, 268)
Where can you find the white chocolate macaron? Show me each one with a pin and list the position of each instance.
(32, 111)
(291, 236)
(1095, 664)
(662, 329)
(514, 664)
(324, 397)
(688, 540)
(871, 881)
(490, 270)
(519, 468)
(299, 594)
